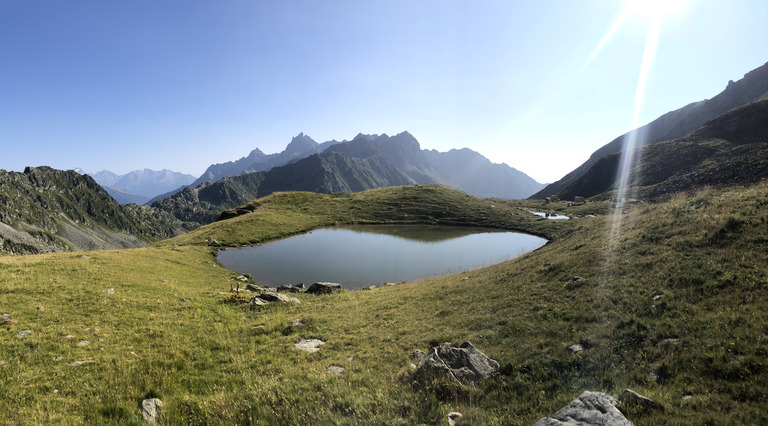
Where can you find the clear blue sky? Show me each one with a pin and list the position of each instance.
(125, 85)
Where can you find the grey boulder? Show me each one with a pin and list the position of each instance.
(464, 364)
(589, 409)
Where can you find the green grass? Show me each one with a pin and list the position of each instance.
(681, 291)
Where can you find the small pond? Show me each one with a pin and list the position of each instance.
(550, 215)
(359, 256)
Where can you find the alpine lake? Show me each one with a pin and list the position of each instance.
(364, 255)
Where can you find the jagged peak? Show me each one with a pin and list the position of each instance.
(300, 143)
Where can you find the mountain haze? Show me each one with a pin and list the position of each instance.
(676, 124)
(139, 186)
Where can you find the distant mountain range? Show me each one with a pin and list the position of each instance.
(44, 210)
(367, 161)
(139, 186)
(672, 125)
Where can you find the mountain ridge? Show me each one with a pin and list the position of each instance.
(365, 162)
(47, 210)
(730, 149)
(676, 124)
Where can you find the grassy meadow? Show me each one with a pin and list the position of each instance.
(672, 302)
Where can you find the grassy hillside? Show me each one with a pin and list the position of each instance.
(671, 303)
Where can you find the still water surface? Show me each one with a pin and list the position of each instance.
(364, 255)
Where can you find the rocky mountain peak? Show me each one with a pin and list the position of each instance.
(299, 144)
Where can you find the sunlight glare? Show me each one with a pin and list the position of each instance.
(654, 9)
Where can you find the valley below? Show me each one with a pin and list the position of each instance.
(664, 298)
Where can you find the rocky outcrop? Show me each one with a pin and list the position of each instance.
(589, 409)
(464, 364)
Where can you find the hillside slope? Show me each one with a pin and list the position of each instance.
(752, 87)
(44, 210)
(729, 150)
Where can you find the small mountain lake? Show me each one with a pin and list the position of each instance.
(364, 255)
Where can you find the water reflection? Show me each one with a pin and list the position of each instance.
(355, 257)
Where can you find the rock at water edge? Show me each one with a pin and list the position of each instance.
(323, 288)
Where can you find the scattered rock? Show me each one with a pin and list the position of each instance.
(185, 300)
(578, 347)
(55, 390)
(335, 370)
(350, 358)
(40, 308)
(464, 364)
(152, 410)
(390, 284)
(23, 334)
(76, 363)
(590, 408)
(370, 287)
(241, 278)
(166, 282)
(56, 358)
(254, 288)
(296, 323)
(630, 398)
(6, 319)
(687, 397)
(309, 345)
(654, 376)
(85, 257)
(109, 291)
(83, 343)
(289, 288)
(454, 418)
(324, 288)
(69, 336)
(277, 297)
(256, 302)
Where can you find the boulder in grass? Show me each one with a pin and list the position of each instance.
(464, 364)
(324, 288)
(590, 408)
(152, 410)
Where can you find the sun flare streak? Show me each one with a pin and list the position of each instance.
(630, 155)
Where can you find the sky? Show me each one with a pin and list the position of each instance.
(182, 84)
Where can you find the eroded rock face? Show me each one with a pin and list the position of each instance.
(590, 408)
(464, 364)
